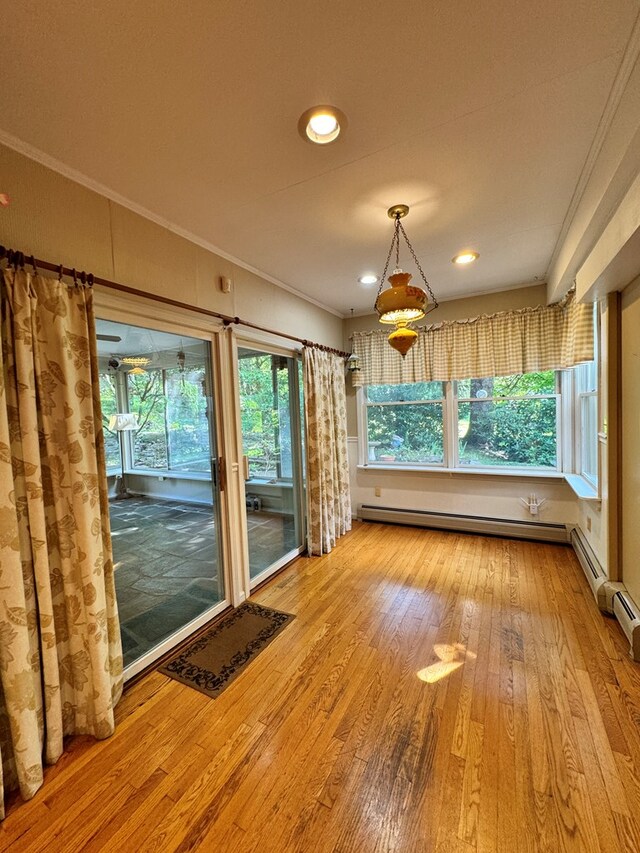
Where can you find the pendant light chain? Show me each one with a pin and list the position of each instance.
(417, 263)
(395, 241)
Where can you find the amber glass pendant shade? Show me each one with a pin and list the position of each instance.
(402, 338)
(402, 302)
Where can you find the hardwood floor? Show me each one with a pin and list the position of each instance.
(436, 692)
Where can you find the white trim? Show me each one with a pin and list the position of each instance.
(33, 153)
(168, 474)
(583, 488)
(269, 342)
(523, 473)
(148, 313)
(237, 517)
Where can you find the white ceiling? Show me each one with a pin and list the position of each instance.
(478, 115)
(139, 341)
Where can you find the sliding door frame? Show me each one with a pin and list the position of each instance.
(145, 313)
(273, 345)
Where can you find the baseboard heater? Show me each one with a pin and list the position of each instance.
(593, 571)
(627, 614)
(542, 531)
(612, 597)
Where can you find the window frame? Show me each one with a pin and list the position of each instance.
(579, 396)
(450, 413)
(440, 401)
(123, 387)
(556, 395)
(585, 486)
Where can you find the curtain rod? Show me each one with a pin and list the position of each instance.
(19, 259)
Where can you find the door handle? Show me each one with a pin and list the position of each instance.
(218, 473)
(245, 464)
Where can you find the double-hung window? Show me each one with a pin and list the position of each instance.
(586, 415)
(508, 421)
(505, 422)
(109, 405)
(405, 423)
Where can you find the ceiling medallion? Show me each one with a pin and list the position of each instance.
(402, 303)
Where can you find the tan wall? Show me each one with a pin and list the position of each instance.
(58, 220)
(630, 335)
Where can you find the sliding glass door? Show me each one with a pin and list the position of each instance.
(270, 389)
(162, 460)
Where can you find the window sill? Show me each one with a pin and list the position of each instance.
(166, 474)
(269, 484)
(522, 473)
(583, 488)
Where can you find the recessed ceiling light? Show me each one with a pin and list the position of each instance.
(321, 124)
(369, 278)
(466, 257)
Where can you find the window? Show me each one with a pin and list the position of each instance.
(586, 386)
(586, 416)
(501, 422)
(171, 407)
(508, 421)
(145, 394)
(108, 403)
(405, 423)
(186, 418)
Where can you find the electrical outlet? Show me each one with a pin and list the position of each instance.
(378, 491)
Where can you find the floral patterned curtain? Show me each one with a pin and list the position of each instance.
(60, 651)
(328, 495)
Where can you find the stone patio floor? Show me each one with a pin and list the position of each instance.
(166, 564)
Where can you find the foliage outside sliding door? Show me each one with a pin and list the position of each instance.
(271, 426)
(171, 409)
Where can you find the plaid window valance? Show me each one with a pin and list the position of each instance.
(549, 337)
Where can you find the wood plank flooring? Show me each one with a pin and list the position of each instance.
(436, 692)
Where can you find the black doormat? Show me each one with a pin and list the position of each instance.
(212, 661)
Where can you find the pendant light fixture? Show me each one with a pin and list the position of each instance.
(402, 303)
(181, 358)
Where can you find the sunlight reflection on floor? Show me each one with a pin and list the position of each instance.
(452, 657)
